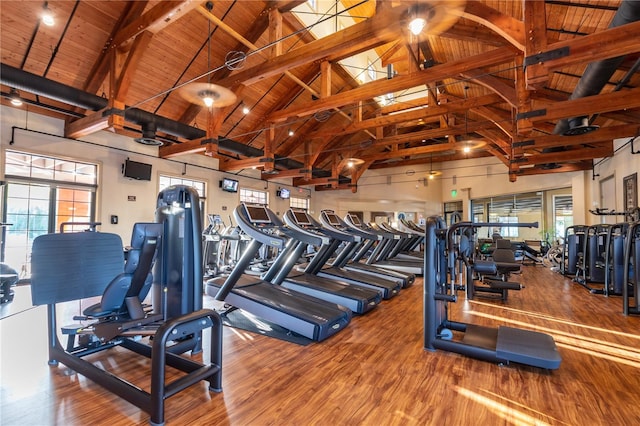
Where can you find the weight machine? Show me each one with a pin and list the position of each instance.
(502, 345)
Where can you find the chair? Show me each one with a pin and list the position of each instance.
(126, 292)
(505, 259)
(8, 278)
(486, 285)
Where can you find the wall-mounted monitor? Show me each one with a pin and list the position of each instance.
(283, 193)
(229, 185)
(135, 170)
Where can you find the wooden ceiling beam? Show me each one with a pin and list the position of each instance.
(291, 173)
(563, 168)
(596, 150)
(100, 68)
(189, 147)
(553, 141)
(315, 181)
(156, 19)
(131, 64)
(496, 85)
(506, 26)
(474, 34)
(420, 135)
(606, 44)
(99, 120)
(421, 113)
(247, 163)
(427, 160)
(535, 23)
(381, 87)
(597, 104)
(409, 151)
(376, 31)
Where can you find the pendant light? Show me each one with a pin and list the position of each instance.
(208, 94)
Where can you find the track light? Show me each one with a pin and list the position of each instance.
(15, 98)
(245, 109)
(47, 15)
(291, 132)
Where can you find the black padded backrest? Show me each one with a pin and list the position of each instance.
(503, 244)
(145, 241)
(73, 266)
(464, 246)
(503, 252)
(141, 231)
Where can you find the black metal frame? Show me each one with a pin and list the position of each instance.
(631, 259)
(160, 353)
(479, 342)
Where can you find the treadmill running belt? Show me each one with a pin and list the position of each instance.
(245, 321)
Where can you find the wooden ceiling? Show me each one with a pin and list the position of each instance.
(499, 72)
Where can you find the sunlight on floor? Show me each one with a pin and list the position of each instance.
(504, 411)
(551, 318)
(242, 335)
(610, 351)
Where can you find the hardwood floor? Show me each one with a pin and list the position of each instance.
(375, 372)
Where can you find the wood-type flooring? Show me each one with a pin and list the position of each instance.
(374, 372)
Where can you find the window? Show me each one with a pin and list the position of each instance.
(507, 231)
(299, 203)
(453, 212)
(371, 71)
(253, 196)
(200, 187)
(562, 214)
(167, 181)
(518, 208)
(42, 193)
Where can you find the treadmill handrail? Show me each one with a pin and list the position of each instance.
(258, 231)
(307, 235)
(344, 227)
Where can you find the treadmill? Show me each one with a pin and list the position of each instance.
(308, 316)
(357, 298)
(402, 249)
(378, 256)
(300, 221)
(345, 259)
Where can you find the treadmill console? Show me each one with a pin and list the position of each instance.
(257, 214)
(355, 220)
(301, 218)
(332, 219)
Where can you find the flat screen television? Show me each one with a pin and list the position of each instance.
(283, 193)
(229, 185)
(135, 170)
(355, 220)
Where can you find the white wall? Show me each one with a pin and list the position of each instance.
(619, 166)
(400, 189)
(110, 150)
